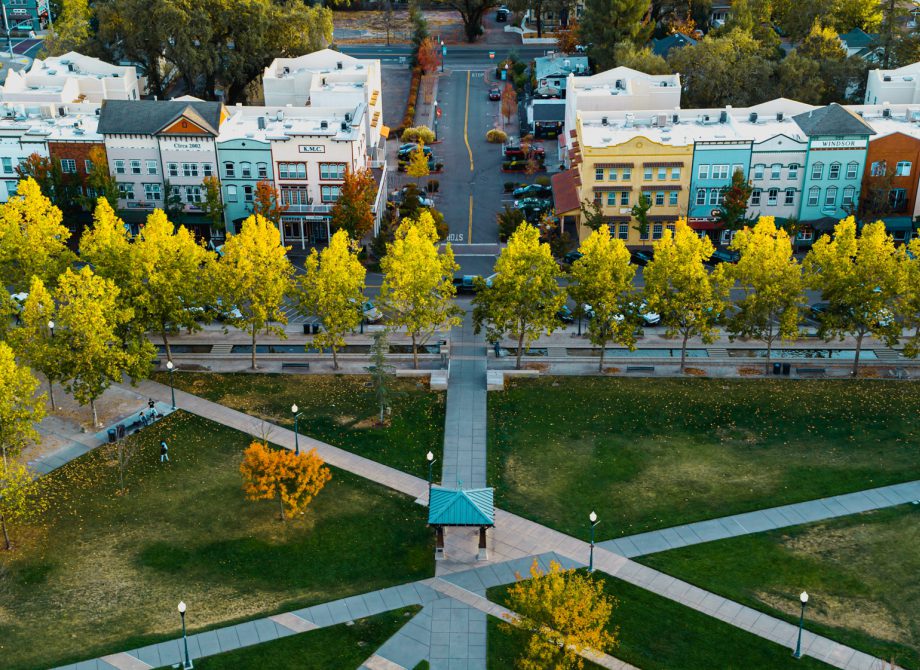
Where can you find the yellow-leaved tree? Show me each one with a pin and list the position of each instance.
(602, 278)
(418, 162)
(20, 497)
(254, 275)
(33, 241)
(418, 281)
(689, 299)
(565, 612)
(20, 408)
(332, 288)
(771, 280)
(293, 479)
(524, 295)
(34, 339)
(106, 245)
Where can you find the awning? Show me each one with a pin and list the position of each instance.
(662, 187)
(666, 164)
(705, 225)
(384, 131)
(456, 507)
(898, 223)
(606, 189)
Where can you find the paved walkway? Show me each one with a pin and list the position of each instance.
(763, 520)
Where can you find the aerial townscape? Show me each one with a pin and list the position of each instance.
(460, 335)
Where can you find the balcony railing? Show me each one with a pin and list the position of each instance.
(310, 209)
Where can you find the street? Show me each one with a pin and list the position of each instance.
(476, 55)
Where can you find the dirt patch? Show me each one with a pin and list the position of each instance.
(748, 371)
(344, 420)
(542, 367)
(611, 370)
(695, 372)
(370, 422)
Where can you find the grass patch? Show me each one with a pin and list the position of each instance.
(341, 646)
(659, 634)
(650, 454)
(337, 409)
(104, 572)
(860, 573)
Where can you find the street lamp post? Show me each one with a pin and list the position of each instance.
(50, 382)
(187, 665)
(803, 597)
(172, 389)
(6, 26)
(435, 103)
(294, 410)
(593, 519)
(430, 458)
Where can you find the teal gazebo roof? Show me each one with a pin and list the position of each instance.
(456, 507)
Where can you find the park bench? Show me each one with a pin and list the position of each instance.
(640, 368)
(303, 364)
(810, 372)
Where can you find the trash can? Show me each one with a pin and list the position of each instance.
(112, 435)
(121, 431)
(315, 328)
(306, 329)
(777, 368)
(787, 368)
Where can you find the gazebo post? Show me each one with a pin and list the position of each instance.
(483, 550)
(439, 546)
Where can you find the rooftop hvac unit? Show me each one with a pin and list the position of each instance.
(71, 67)
(886, 113)
(661, 120)
(62, 111)
(285, 70)
(261, 123)
(620, 85)
(323, 125)
(723, 117)
(779, 116)
(338, 65)
(280, 115)
(886, 78)
(753, 117)
(348, 116)
(344, 125)
(675, 118)
(603, 120)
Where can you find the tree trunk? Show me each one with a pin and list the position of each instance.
(859, 339)
(520, 350)
(414, 352)
(6, 535)
(281, 500)
(166, 344)
(254, 348)
(471, 22)
(335, 359)
(539, 22)
(600, 367)
(683, 352)
(92, 404)
(51, 391)
(121, 465)
(769, 346)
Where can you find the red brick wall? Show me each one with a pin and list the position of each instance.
(892, 149)
(78, 151)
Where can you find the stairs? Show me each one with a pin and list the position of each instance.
(888, 355)
(221, 349)
(718, 352)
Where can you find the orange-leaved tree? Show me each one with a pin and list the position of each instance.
(565, 612)
(509, 103)
(266, 204)
(294, 479)
(352, 211)
(429, 55)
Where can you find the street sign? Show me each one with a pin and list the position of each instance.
(491, 55)
(437, 112)
(443, 50)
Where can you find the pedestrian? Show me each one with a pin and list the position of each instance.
(144, 419)
(150, 403)
(164, 452)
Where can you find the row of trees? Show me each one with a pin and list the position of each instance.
(870, 286)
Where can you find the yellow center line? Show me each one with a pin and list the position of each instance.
(466, 120)
(469, 236)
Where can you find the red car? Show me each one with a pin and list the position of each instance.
(495, 93)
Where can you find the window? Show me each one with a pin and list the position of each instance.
(790, 197)
(834, 172)
(675, 173)
(173, 169)
(193, 194)
(88, 165)
(849, 195)
(817, 170)
(728, 236)
(331, 171)
(657, 229)
(775, 170)
(720, 172)
(772, 196)
(814, 194)
(11, 187)
(295, 196)
(624, 198)
(648, 174)
(135, 167)
(672, 198)
(119, 167)
(207, 169)
(247, 194)
(331, 193)
(902, 169)
(701, 196)
(643, 234)
(68, 166)
(190, 169)
(794, 171)
(611, 198)
(659, 198)
(152, 167)
(897, 198)
(612, 174)
(627, 174)
(737, 168)
(878, 169)
(126, 191)
(758, 171)
(672, 227)
(662, 173)
(598, 174)
(231, 194)
(152, 192)
(714, 196)
(755, 197)
(8, 166)
(852, 169)
(229, 170)
(262, 170)
(292, 170)
(830, 197)
(804, 235)
(623, 231)
(246, 170)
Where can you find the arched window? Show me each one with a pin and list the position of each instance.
(834, 172)
(852, 169)
(790, 197)
(231, 193)
(817, 170)
(814, 194)
(830, 197)
(849, 195)
(701, 196)
(246, 170)
(772, 195)
(229, 169)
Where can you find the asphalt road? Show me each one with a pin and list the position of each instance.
(457, 56)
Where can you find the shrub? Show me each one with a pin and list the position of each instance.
(433, 185)
(416, 133)
(496, 136)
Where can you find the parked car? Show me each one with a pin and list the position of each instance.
(532, 203)
(533, 190)
(513, 151)
(424, 201)
(565, 315)
(502, 14)
(720, 256)
(640, 257)
(818, 309)
(495, 93)
(406, 149)
(370, 312)
(571, 257)
(466, 283)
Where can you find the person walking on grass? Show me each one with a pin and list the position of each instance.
(164, 452)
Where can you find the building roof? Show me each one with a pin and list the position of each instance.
(561, 65)
(565, 191)
(549, 111)
(148, 117)
(662, 46)
(858, 39)
(832, 120)
(456, 507)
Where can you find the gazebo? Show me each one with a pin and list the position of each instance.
(456, 507)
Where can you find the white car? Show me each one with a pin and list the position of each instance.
(370, 312)
(19, 300)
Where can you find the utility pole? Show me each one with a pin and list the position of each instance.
(6, 26)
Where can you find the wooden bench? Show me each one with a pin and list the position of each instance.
(810, 372)
(304, 364)
(640, 368)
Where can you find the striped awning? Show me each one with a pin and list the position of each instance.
(662, 187)
(607, 189)
(672, 164)
(614, 165)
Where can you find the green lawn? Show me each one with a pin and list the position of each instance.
(653, 453)
(105, 571)
(659, 634)
(338, 409)
(860, 572)
(342, 646)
